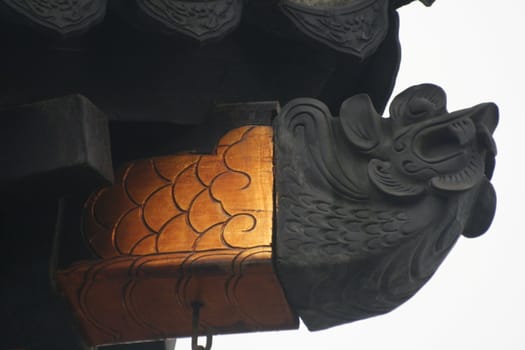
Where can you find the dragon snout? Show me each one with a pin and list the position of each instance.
(446, 142)
(459, 147)
(485, 116)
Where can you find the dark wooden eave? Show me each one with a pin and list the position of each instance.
(355, 27)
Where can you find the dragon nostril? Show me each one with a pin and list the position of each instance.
(487, 140)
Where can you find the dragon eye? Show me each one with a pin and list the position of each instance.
(413, 104)
(421, 108)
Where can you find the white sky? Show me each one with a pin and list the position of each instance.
(474, 49)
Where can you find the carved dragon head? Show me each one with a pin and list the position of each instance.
(369, 207)
(423, 147)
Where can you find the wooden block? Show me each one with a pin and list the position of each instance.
(180, 229)
(54, 147)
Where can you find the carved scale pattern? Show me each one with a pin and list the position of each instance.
(368, 207)
(62, 16)
(178, 229)
(199, 19)
(357, 28)
(187, 202)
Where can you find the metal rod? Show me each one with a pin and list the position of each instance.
(195, 329)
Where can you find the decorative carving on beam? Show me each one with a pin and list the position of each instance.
(201, 20)
(366, 209)
(356, 28)
(369, 207)
(188, 202)
(62, 17)
(180, 229)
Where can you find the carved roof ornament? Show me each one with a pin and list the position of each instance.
(369, 207)
(59, 16)
(355, 27)
(200, 20)
(334, 219)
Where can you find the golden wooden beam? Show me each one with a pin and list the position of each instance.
(176, 230)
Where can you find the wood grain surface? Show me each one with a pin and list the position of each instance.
(178, 229)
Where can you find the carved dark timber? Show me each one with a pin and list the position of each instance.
(369, 207)
(200, 20)
(54, 147)
(365, 208)
(63, 17)
(133, 73)
(357, 28)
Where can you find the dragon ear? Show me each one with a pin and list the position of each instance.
(482, 212)
(360, 122)
(381, 174)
